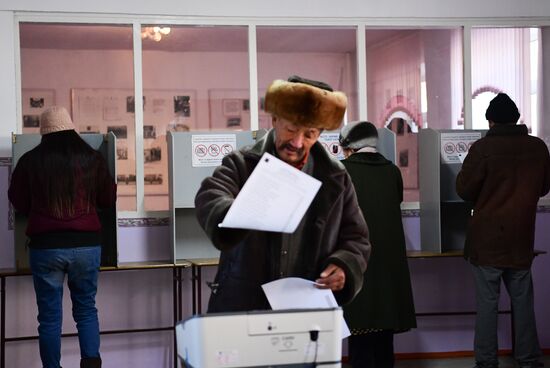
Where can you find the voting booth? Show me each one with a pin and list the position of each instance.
(193, 156)
(443, 214)
(284, 338)
(106, 145)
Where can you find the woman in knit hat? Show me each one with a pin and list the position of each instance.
(385, 304)
(58, 186)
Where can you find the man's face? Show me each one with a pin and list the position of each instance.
(293, 142)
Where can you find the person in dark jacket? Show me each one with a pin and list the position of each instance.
(330, 245)
(504, 174)
(58, 186)
(385, 304)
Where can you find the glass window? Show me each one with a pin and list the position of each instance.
(194, 78)
(87, 69)
(506, 60)
(414, 80)
(326, 54)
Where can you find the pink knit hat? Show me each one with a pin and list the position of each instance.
(55, 119)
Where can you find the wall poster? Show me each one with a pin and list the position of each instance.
(229, 109)
(34, 102)
(102, 110)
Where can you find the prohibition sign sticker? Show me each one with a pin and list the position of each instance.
(461, 147)
(226, 149)
(201, 150)
(208, 150)
(449, 148)
(214, 150)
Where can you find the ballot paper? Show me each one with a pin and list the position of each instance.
(274, 198)
(298, 293)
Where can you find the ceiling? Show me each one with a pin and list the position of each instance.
(196, 38)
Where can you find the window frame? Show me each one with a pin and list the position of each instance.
(360, 25)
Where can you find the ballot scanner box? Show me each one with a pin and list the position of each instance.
(105, 144)
(283, 338)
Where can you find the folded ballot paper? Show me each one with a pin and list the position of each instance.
(298, 293)
(274, 198)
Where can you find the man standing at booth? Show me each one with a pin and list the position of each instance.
(504, 174)
(330, 245)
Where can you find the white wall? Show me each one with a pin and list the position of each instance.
(7, 85)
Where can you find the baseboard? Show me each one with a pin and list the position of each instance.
(445, 354)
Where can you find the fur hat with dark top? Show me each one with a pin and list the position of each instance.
(306, 103)
(357, 135)
(502, 110)
(55, 119)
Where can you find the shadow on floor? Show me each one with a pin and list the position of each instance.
(505, 362)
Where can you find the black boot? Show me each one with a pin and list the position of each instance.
(90, 363)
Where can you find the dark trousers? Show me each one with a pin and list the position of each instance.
(519, 285)
(371, 350)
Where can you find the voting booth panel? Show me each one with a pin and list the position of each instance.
(387, 144)
(193, 156)
(443, 214)
(106, 145)
(284, 338)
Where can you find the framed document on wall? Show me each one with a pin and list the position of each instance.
(34, 101)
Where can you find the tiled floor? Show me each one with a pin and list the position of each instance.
(505, 362)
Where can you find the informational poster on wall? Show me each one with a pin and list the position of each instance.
(229, 109)
(330, 141)
(210, 149)
(455, 145)
(102, 110)
(34, 102)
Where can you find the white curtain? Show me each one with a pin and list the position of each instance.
(500, 62)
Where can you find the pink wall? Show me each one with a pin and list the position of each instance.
(62, 70)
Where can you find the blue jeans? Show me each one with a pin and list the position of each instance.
(519, 285)
(49, 266)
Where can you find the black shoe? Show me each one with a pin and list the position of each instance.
(531, 365)
(90, 363)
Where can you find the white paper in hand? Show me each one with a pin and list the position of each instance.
(274, 198)
(298, 293)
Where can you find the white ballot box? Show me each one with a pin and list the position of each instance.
(283, 338)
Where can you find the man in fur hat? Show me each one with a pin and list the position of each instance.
(330, 245)
(504, 174)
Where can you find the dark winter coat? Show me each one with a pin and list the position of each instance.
(45, 230)
(386, 300)
(504, 174)
(337, 231)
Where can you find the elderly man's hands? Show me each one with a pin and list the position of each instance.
(333, 278)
